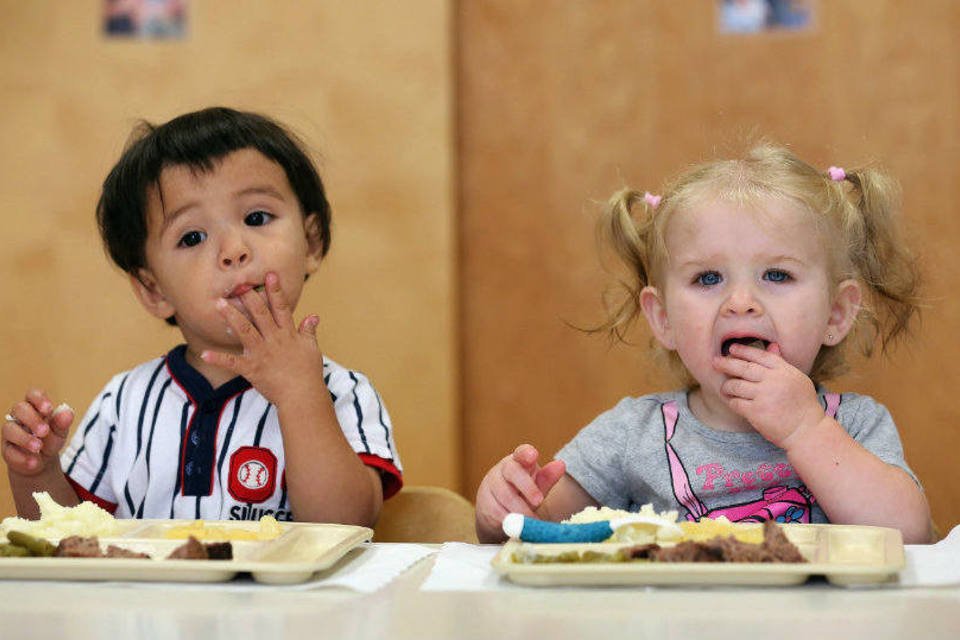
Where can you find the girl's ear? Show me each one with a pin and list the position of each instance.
(843, 312)
(148, 292)
(654, 309)
(311, 226)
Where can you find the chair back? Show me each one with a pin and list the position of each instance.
(426, 514)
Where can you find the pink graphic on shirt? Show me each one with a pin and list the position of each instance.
(779, 503)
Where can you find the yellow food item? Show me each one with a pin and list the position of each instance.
(268, 529)
(706, 529)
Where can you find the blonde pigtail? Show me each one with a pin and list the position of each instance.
(624, 234)
(888, 268)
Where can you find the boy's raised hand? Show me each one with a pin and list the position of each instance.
(34, 433)
(774, 396)
(516, 484)
(280, 359)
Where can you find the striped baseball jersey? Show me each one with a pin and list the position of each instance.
(160, 442)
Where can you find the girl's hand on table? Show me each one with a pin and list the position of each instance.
(516, 484)
(34, 432)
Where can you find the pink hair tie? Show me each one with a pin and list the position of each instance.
(652, 200)
(837, 174)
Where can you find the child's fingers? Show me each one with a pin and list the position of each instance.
(25, 415)
(282, 313)
(308, 327)
(526, 455)
(549, 475)
(228, 361)
(507, 498)
(521, 481)
(245, 331)
(737, 368)
(61, 419)
(739, 388)
(19, 460)
(37, 398)
(754, 354)
(256, 305)
(19, 436)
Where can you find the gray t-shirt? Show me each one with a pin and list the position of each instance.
(653, 450)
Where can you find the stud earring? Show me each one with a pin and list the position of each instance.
(830, 338)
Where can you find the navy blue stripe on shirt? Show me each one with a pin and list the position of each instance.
(106, 460)
(153, 428)
(386, 431)
(86, 430)
(123, 383)
(229, 434)
(183, 431)
(263, 421)
(356, 407)
(143, 411)
(144, 403)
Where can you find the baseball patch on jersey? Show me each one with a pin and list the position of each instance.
(253, 474)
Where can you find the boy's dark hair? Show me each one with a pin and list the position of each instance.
(197, 140)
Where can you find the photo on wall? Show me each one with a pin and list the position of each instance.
(764, 16)
(146, 19)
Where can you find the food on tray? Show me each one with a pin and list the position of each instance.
(57, 521)
(774, 547)
(705, 529)
(658, 527)
(30, 545)
(268, 529)
(89, 547)
(193, 549)
(24, 545)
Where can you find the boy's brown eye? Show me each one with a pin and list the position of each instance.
(257, 218)
(191, 239)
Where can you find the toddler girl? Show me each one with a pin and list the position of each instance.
(754, 276)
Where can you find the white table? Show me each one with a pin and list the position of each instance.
(401, 611)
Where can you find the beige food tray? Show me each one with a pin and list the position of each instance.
(844, 554)
(299, 552)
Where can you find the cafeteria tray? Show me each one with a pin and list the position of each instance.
(300, 551)
(843, 554)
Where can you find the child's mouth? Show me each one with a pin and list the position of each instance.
(239, 290)
(750, 341)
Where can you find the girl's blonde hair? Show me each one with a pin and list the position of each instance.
(854, 214)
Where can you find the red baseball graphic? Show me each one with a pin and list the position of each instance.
(253, 472)
(253, 475)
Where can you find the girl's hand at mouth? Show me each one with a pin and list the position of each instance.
(778, 399)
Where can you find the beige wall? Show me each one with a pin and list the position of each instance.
(562, 102)
(367, 84)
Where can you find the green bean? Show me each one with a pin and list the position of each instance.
(13, 551)
(36, 546)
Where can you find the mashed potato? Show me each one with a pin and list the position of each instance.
(699, 531)
(57, 521)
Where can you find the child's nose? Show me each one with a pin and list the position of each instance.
(234, 253)
(743, 301)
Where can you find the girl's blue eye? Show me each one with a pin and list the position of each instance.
(708, 278)
(192, 239)
(776, 275)
(257, 218)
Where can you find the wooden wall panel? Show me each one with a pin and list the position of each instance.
(561, 103)
(368, 85)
